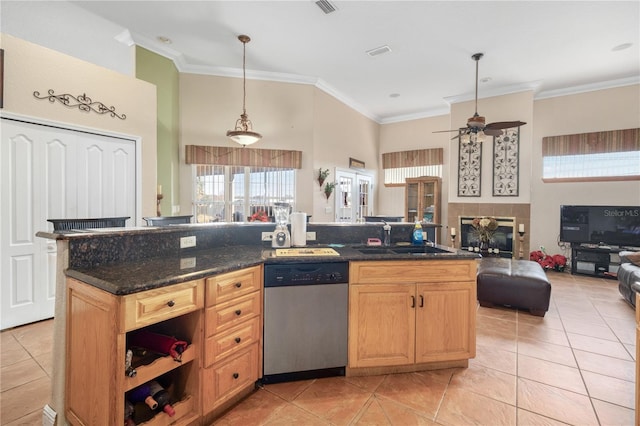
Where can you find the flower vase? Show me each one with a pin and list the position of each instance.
(484, 246)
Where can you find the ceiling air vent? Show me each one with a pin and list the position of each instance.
(379, 50)
(326, 6)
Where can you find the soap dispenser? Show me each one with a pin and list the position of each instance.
(416, 236)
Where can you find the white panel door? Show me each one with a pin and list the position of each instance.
(51, 173)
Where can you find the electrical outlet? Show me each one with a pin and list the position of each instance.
(311, 236)
(267, 236)
(187, 262)
(186, 242)
(327, 209)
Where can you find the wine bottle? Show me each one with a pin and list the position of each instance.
(129, 410)
(162, 397)
(143, 394)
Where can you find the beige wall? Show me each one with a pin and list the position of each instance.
(29, 67)
(517, 106)
(409, 135)
(339, 133)
(289, 116)
(610, 109)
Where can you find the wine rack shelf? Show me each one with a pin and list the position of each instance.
(159, 367)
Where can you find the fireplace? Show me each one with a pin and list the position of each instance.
(502, 242)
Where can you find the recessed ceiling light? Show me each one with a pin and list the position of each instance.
(163, 39)
(622, 46)
(394, 95)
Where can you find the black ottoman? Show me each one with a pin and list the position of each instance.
(516, 283)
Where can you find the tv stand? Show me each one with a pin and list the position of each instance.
(595, 260)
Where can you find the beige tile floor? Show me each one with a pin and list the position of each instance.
(574, 366)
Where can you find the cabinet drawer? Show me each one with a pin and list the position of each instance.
(226, 315)
(412, 271)
(229, 342)
(227, 286)
(226, 379)
(152, 306)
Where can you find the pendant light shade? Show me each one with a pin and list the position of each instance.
(243, 133)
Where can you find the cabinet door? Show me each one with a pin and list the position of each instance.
(381, 325)
(445, 321)
(411, 202)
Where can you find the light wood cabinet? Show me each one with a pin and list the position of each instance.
(422, 199)
(233, 336)
(97, 326)
(221, 319)
(403, 313)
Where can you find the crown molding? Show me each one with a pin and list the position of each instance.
(182, 65)
(498, 91)
(610, 84)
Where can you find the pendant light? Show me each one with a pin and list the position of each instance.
(243, 133)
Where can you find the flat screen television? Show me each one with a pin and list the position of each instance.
(604, 225)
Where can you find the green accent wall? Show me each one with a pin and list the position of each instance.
(162, 72)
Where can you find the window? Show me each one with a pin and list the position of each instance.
(409, 164)
(397, 176)
(599, 156)
(235, 193)
(606, 164)
(232, 184)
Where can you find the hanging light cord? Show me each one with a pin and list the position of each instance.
(244, 77)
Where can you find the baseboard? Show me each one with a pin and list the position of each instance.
(48, 416)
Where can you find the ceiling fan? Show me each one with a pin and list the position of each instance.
(476, 128)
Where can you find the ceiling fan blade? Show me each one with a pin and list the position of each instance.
(446, 131)
(493, 132)
(504, 124)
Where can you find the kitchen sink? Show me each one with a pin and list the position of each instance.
(422, 250)
(418, 250)
(375, 250)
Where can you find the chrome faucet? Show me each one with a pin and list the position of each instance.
(387, 234)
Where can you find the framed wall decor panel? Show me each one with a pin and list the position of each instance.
(469, 168)
(506, 163)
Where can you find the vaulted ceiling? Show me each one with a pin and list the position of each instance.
(551, 47)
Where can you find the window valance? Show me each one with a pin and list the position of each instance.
(226, 156)
(591, 143)
(415, 158)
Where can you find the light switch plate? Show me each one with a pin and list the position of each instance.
(311, 236)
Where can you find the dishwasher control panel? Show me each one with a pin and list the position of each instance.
(306, 273)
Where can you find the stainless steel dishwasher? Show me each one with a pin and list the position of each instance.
(305, 320)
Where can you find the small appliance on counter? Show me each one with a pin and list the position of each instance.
(281, 236)
(298, 229)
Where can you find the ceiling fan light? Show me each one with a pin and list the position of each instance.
(466, 138)
(480, 136)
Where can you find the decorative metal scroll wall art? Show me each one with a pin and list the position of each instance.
(506, 163)
(82, 102)
(469, 168)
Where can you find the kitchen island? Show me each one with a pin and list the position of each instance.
(112, 283)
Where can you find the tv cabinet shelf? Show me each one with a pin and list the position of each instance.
(602, 261)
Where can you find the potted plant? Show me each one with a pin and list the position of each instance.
(322, 176)
(328, 189)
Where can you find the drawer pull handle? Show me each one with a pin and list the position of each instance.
(413, 301)
(238, 312)
(238, 284)
(237, 339)
(171, 303)
(421, 301)
(236, 375)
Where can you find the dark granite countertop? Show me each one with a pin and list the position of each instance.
(123, 278)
